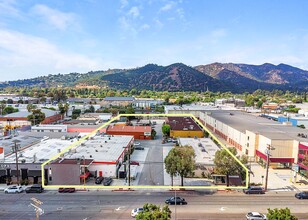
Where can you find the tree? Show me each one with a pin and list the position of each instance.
(9, 110)
(66, 108)
(280, 214)
(36, 117)
(30, 107)
(76, 113)
(166, 129)
(2, 107)
(153, 212)
(225, 164)
(180, 161)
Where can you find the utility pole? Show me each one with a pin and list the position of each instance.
(15, 150)
(129, 165)
(268, 154)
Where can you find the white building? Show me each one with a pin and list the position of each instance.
(49, 128)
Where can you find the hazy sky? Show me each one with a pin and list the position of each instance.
(50, 37)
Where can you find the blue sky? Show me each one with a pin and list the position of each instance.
(53, 36)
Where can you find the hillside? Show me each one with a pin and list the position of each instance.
(266, 75)
(180, 77)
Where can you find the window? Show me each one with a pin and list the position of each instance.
(248, 138)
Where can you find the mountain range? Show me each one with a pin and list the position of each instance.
(180, 77)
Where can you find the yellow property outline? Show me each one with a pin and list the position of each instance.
(141, 187)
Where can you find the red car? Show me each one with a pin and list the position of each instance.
(66, 190)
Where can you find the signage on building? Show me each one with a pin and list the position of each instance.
(147, 133)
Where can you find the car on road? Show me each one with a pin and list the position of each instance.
(176, 200)
(139, 148)
(255, 216)
(136, 211)
(137, 143)
(302, 195)
(66, 190)
(14, 189)
(254, 190)
(36, 188)
(107, 181)
(99, 180)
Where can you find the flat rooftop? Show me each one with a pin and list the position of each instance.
(182, 124)
(105, 148)
(40, 152)
(119, 128)
(22, 140)
(242, 121)
(205, 149)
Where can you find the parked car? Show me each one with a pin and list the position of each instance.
(36, 188)
(254, 190)
(107, 181)
(14, 189)
(137, 143)
(99, 180)
(139, 148)
(136, 211)
(176, 200)
(255, 216)
(66, 190)
(302, 195)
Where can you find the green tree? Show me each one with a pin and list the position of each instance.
(183, 158)
(66, 108)
(154, 212)
(225, 164)
(9, 110)
(2, 107)
(166, 129)
(36, 117)
(76, 113)
(280, 214)
(30, 107)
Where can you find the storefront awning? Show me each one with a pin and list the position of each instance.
(274, 159)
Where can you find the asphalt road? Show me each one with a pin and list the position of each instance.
(118, 205)
(153, 170)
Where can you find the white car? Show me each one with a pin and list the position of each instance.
(14, 189)
(136, 211)
(136, 143)
(255, 216)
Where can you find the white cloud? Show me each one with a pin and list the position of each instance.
(9, 7)
(123, 3)
(158, 23)
(58, 19)
(145, 26)
(32, 56)
(167, 6)
(218, 33)
(134, 11)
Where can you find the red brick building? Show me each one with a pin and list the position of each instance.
(139, 132)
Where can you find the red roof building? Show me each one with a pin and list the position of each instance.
(139, 132)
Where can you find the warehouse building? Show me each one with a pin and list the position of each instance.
(252, 135)
(184, 127)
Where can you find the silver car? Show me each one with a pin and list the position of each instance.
(14, 189)
(255, 216)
